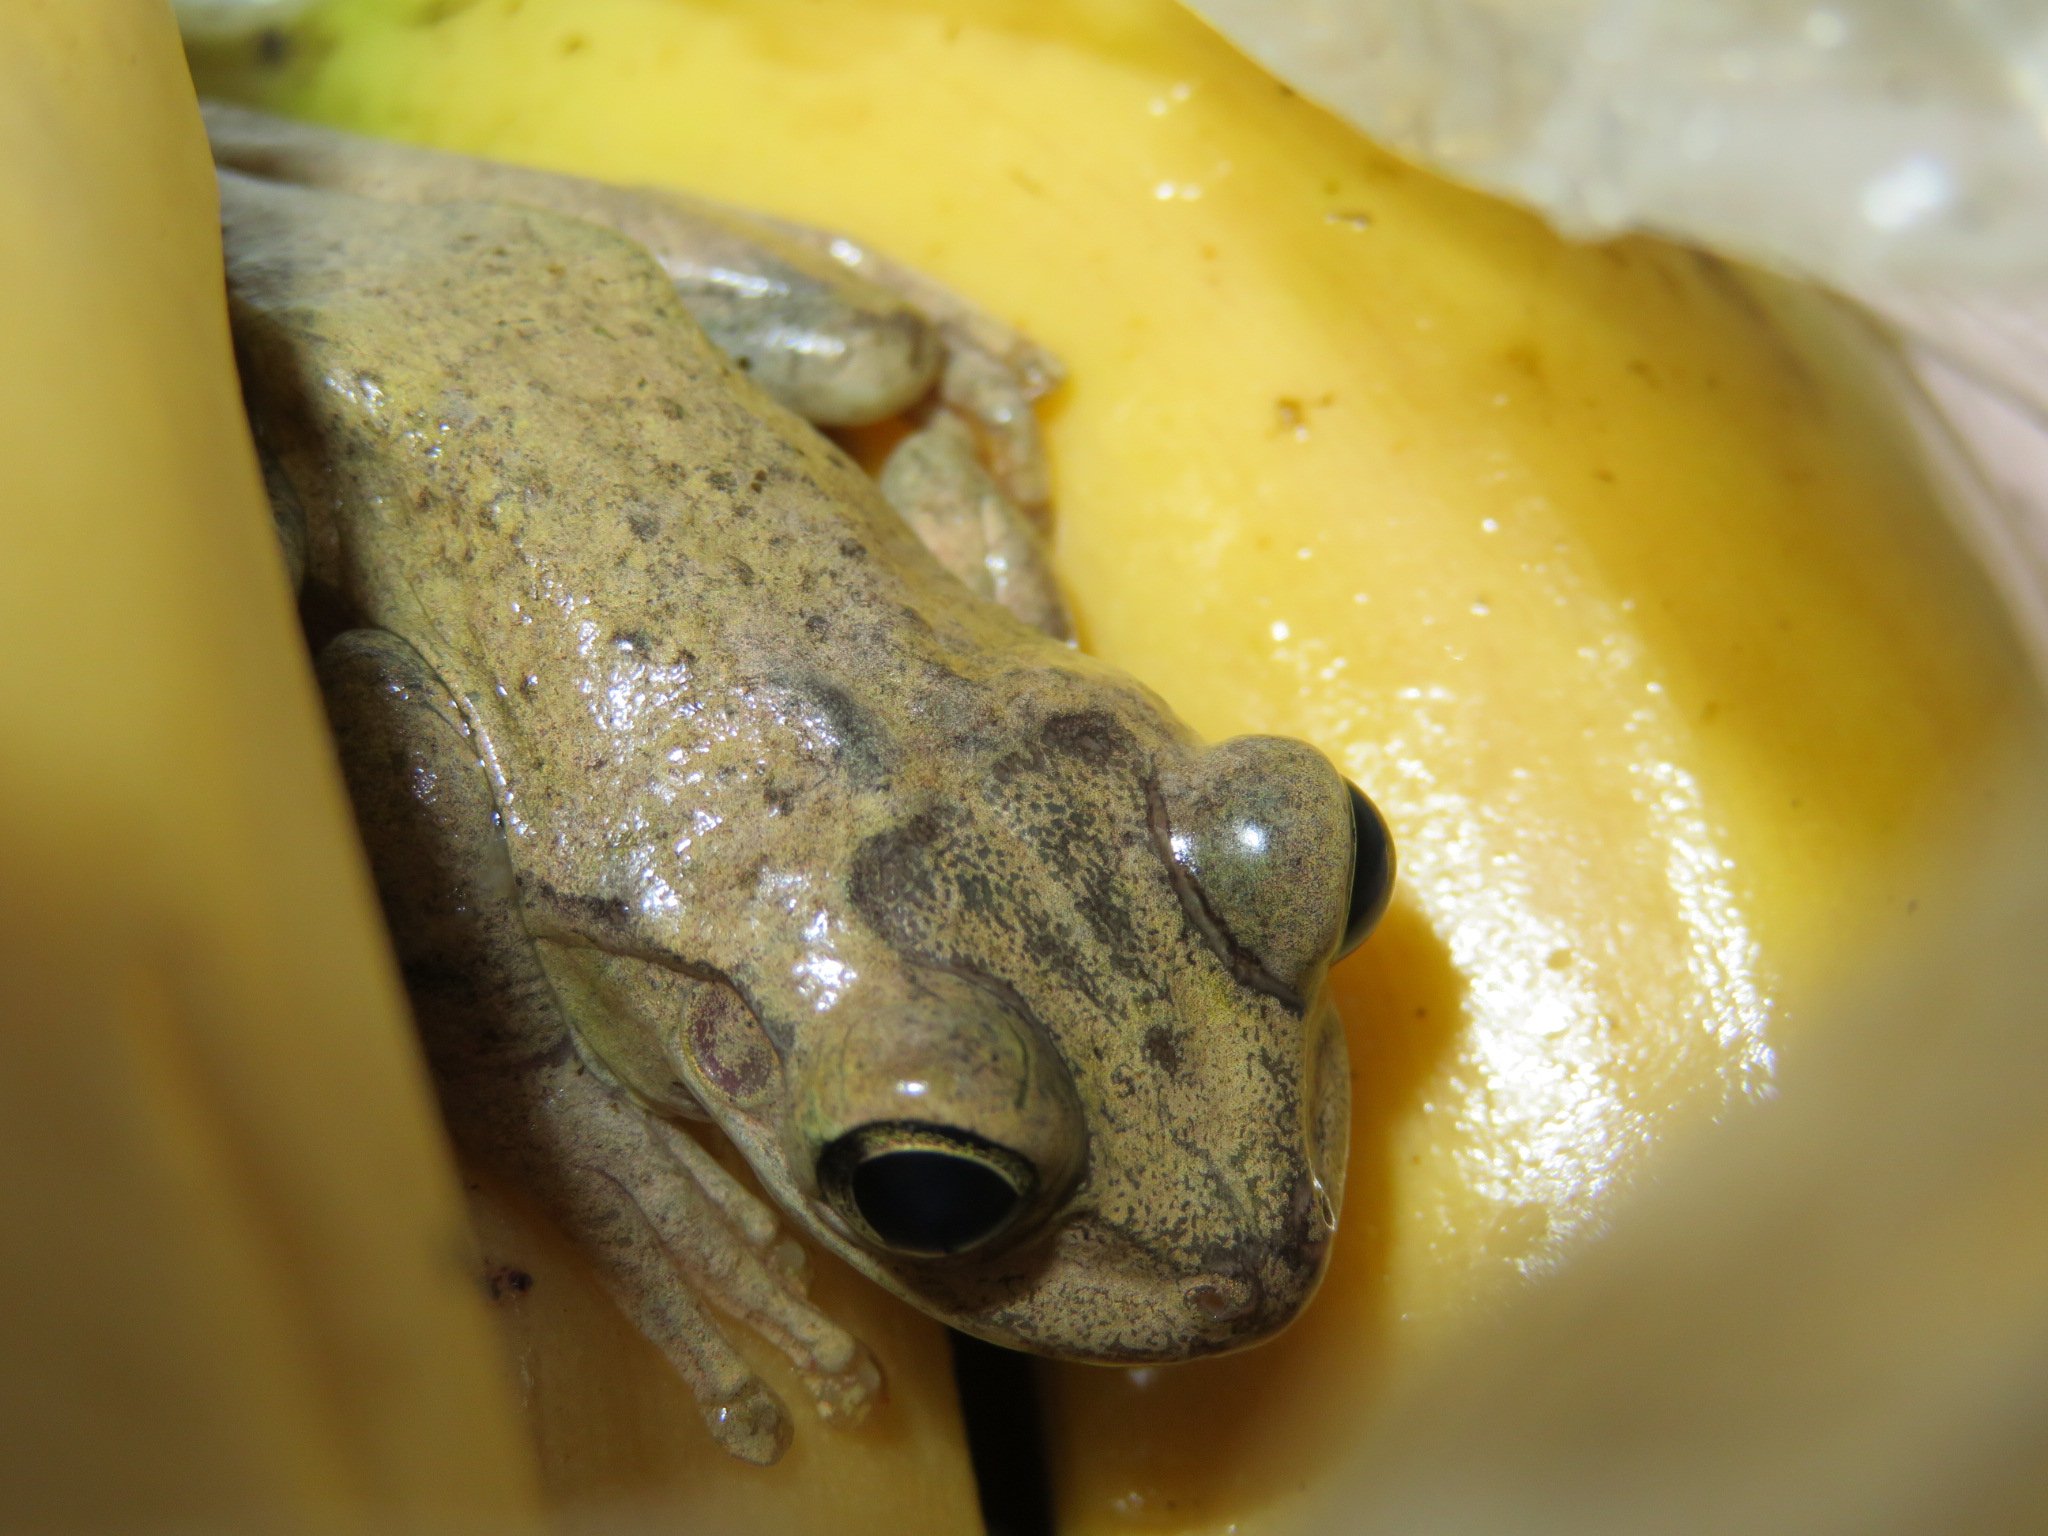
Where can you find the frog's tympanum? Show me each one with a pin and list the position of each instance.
(702, 783)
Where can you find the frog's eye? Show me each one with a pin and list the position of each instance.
(1372, 870)
(1280, 863)
(924, 1190)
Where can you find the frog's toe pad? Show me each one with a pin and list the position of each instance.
(845, 1396)
(751, 1425)
(789, 1259)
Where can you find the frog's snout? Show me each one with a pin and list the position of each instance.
(1246, 1300)
(1144, 1310)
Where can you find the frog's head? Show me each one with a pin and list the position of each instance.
(1079, 1089)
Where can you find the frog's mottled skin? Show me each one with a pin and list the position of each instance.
(698, 788)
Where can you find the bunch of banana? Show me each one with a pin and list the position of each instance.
(1605, 566)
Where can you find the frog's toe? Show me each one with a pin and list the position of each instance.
(636, 1267)
(835, 348)
(995, 390)
(833, 361)
(748, 1282)
(793, 1260)
(938, 483)
(751, 1216)
(845, 1396)
(751, 1425)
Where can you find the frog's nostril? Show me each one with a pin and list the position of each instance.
(1221, 1298)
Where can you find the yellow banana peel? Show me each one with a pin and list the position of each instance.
(234, 1281)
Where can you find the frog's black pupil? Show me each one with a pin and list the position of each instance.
(1372, 869)
(922, 1201)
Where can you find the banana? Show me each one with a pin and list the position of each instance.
(235, 1283)
(1610, 563)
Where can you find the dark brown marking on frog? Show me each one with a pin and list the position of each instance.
(1162, 1049)
(1092, 736)
(892, 872)
(860, 744)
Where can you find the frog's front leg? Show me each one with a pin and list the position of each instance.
(662, 1223)
(993, 374)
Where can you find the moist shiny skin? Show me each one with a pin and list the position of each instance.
(707, 785)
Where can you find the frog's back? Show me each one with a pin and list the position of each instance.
(498, 387)
(662, 601)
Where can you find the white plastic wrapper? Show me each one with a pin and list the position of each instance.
(1847, 139)
(1895, 151)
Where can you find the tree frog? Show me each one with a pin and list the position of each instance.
(703, 783)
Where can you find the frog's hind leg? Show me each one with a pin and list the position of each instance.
(645, 1205)
(839, 333)
(993, 374)
(835, 348)
(972, 481)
